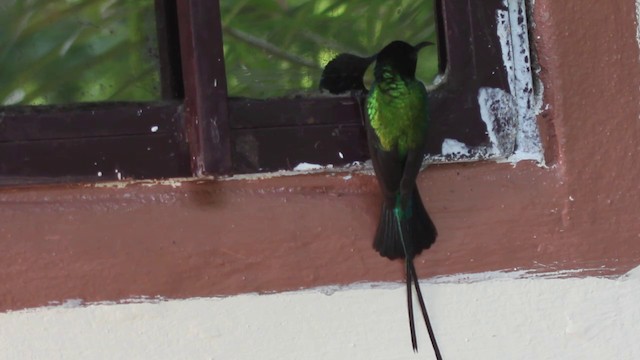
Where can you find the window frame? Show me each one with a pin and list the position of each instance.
(200, 131)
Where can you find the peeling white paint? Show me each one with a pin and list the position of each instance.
(497, 315)
(354, 168)
(174, 183)
(111, 184)
(513, 34)
(454, 147)
(510, 116)
(499, 113)
(504, 35)
(638, 24)
(307, 166)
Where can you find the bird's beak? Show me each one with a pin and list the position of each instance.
(421, 45)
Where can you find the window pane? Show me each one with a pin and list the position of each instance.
(68, 51)
(278, 48)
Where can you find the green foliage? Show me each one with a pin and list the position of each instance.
(278, 48)
(64, 51)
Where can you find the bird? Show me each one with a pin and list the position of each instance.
(397, 122)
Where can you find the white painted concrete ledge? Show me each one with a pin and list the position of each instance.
(493, 316)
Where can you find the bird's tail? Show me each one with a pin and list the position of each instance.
(404, 238)
(418, 230)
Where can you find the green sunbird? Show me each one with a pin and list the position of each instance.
(397, 120)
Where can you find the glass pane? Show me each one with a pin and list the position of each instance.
(278, 48)
(69, 51)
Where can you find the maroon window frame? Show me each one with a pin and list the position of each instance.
(199, 130)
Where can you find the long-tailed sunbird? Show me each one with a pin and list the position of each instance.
(397, 122)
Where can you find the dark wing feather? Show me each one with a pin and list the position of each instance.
(345, 73)
(388, 166)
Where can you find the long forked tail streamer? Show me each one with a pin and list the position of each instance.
(423, 307)
(412, 276)
(412, 326)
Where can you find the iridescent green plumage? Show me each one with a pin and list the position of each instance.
(397, 110)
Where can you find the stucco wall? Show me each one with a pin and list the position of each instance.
(498, 316)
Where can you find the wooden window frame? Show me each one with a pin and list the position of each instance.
(197, 130)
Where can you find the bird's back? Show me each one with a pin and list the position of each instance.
(397, 111)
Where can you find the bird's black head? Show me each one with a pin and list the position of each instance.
(400, 57)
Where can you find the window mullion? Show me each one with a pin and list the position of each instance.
(206, 110)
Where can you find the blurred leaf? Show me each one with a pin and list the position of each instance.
(278, 48)
(67, 51)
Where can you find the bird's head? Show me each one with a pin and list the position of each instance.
(400, 56)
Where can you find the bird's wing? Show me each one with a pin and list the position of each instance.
(419, 105)
(387, 163)
(345, 73)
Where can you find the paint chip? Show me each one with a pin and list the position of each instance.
(498, 110)
(454, 147)
(307, 166)
(512, 31)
